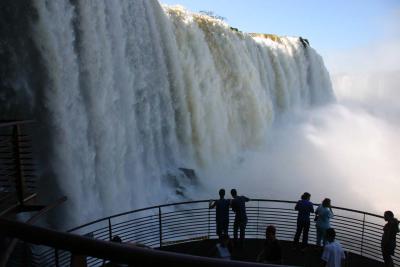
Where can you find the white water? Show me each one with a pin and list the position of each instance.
(135, 92)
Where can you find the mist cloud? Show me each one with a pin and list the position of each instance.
(347, 151)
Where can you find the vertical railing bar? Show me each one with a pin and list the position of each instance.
(19, 178)
(109, 229)
(209, 212)
(362, 236)
(160, 226)
(258, 215)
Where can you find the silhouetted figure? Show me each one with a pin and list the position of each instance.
(333, 253)
(223, 249)
(239, 207)
(323, 214)
(221, 213)
(388, 243)
(272, 251)
(304, 207)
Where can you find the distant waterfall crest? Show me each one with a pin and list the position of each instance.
(133, 91)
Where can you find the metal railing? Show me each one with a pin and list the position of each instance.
(359, 232)
(17, 170)
(116, 252)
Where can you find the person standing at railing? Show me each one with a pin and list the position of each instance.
(388, 244)
(238, 204)
(333, 254)
(323, 215)
(304, 208)
(221, 213)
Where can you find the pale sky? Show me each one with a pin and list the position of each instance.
(334, 28)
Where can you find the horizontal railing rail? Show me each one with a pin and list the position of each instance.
(157, 226)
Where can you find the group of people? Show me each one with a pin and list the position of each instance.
(333, 253)
(323, 214)
(333, 249)
(271, 253)
(222, 205)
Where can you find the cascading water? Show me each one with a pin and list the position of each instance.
(127, 92)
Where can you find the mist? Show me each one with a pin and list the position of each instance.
(347, 150)
(341, 152)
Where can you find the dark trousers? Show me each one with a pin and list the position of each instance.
(387, 258)
(239, 224)
(302, 227)
(387, 252)
(222, 227)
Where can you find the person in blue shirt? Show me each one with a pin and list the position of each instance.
(221, 213)
(304, 208)
(238, 204)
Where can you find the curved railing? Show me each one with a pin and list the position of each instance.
(359, 232)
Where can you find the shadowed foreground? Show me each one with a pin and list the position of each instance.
(309, 257)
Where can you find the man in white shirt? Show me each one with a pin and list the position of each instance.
(333, 254)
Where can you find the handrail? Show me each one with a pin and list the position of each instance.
(123, 253)
(207, 200)
(333, 207)
(134, 211)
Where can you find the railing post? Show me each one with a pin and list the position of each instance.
(258, 215)
(109, 229)
(362, 236)
(19, 175)
(209, 212)
(160, 226)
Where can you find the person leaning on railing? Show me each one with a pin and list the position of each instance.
(221, 213)
(388, 243)
(238, 204)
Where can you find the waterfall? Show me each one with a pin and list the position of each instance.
(129, 91)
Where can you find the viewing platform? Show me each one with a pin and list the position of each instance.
(179, 233)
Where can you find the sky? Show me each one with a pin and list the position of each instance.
(334, 28)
